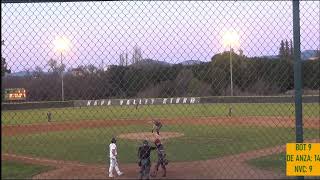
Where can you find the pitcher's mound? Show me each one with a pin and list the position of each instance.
(150, 136)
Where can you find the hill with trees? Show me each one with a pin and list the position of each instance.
(152, 78)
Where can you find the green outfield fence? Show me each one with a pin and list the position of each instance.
(159, 101)
(231, 81)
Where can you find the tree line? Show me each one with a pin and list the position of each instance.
(251, 76)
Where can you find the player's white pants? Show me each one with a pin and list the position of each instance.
(114, 165)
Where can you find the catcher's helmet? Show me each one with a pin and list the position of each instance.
(145, 142)
(157, 141)
(113, 140)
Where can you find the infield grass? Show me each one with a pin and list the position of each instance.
(199, 143)
(15, 117)
(274, 162)
(18, 170)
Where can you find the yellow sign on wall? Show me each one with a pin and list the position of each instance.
(303, 159)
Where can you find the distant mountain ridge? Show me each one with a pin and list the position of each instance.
(310, 54)
(305, 55)
(18, 74)
(150, 62)
(26, 73)
(191, 62)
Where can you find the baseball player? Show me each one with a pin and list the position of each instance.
(49, 116)
(161, 158)
(156, 126)
(113, 158)
(144, 159)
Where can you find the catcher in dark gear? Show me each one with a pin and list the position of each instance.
(161, 158)
(144, 159)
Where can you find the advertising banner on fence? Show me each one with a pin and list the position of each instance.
(137, 102)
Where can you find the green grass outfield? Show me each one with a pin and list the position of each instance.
(18, 170)
(14, 117)
(199, 143)
(274, 162)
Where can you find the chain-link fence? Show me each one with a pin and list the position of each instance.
(219, 76)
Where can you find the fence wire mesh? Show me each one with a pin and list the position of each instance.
(218, 75)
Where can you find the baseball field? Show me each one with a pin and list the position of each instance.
(201, 140)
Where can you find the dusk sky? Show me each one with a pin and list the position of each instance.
(166, 31)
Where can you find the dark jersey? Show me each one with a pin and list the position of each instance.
(160, 151)
(144, 152)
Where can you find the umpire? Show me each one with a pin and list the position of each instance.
(144, 160)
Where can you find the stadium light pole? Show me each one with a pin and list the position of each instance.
(62, 45)
(231, 80)
(62, 84)
(230, 40)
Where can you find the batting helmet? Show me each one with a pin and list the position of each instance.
(113, 140)
(157, 141)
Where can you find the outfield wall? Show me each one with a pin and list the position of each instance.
(157, 101)
(36, 105)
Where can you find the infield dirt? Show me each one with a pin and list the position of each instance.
(232, 166)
